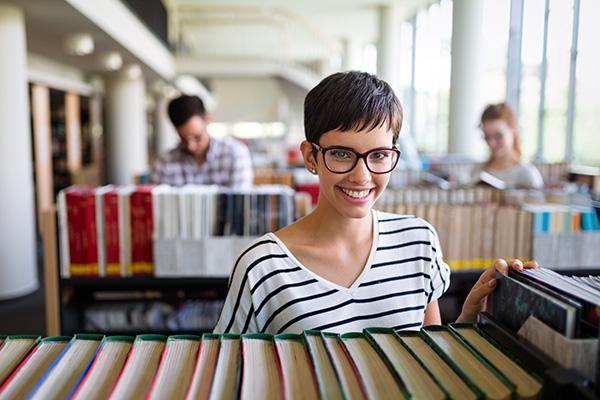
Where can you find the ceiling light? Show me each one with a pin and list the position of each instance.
(134, 71)
(79, 44)
(111, 61)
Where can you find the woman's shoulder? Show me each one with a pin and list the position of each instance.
(390, 222)
(258, 248)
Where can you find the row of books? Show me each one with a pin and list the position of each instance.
(439, 362)
(110, 230)
(139, 316)
(429, 195)
(473, 236)
(557, 314)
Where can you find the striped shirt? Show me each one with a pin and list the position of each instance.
(271, 291)
(228, 163)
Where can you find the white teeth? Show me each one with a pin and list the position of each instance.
(356, 194)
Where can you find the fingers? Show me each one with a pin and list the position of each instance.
(530, 264)
(479, 293)
(515, 264)
(502, 266)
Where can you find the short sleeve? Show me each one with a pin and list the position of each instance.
(237, 315)
(242, 175)
(439, 271)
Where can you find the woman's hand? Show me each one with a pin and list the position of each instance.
(476, 300)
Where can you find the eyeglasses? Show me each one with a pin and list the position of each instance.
(498, 137)
(341, 160)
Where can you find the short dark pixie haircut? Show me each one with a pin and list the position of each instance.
(185, 107)
(351, 100)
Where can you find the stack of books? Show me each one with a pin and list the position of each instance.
(439, 362)
(162, 230)
(557, 314)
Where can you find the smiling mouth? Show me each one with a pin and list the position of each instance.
(356, 194)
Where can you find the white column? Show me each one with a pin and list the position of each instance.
(166, 135)
(388, 46)
(465, 81)
(126, 127)
(18, 267)
(352, 54)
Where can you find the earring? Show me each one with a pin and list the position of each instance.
(313, 171)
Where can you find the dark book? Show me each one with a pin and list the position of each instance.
(514, 301)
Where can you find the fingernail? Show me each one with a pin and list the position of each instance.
(502, 263)
(519, 264)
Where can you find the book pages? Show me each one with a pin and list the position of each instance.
(136, 377)
(11, 354)
(418, 382)
(296, 369)
(329, 385)
(344, 368)
(105, 370)
(176, 368)
(260, 373)
(377, 379)
(527, 386)
(457, 388)
(30, 371)
(63, 377)
(225, 383)
(485, 379)
(205, 369)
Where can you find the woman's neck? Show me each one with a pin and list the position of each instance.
(503, 161)
(328, 226)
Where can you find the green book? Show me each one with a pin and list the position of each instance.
(419, 381)
(206, 364)
(63, 376)
(295, 366)
(324, 370)
(377, 378)
(260, 371)
(226, 383)
(140, 368)
(345, 370)
(13, 351)
(470, 365)
(448, 375)
(104, 371)
(26, 376)
(528, 386)
(176, 367)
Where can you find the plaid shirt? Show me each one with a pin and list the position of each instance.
(228, 163)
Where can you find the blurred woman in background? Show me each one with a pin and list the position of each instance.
(501, 133)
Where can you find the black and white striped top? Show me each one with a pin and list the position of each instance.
(271, 291)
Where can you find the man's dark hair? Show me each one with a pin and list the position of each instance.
(351, 100)
(184, 107)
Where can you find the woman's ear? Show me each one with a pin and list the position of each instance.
(308, 152)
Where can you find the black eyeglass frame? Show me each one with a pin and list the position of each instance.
(364, 156)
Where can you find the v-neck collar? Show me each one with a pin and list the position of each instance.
(359, 279)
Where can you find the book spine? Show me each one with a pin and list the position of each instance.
(141, 232)
(111, 234)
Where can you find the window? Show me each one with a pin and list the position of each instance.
(495, 26)
(432, 77)
(586, 140)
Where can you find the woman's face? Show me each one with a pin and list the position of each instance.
(498, 136)
(352, 194)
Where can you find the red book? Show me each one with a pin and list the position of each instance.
(111, 233)
(141, 231)
(81, 228)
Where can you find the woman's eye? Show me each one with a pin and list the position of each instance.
(340, 154)
(379, 155)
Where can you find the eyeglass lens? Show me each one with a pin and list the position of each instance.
(344, 160)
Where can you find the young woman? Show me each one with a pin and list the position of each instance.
(501, 133)
(345, 266)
